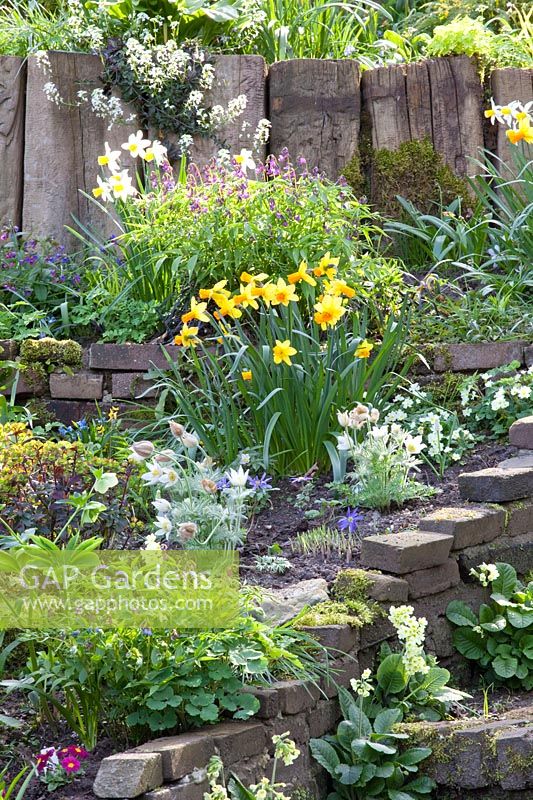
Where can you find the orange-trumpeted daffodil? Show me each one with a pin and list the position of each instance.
(197, 312)
(280, 293)
(246, 375)
(329, 310)
(247, 296)
(327, 266)
(301, 275)
(364, 349)
(226, 307)
(246, 277)
(188, 337)
(524, 132)
(338, 287)
(218, 289)
(283, 351)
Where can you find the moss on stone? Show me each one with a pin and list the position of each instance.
(351, 584)
(61, 353)
(355, 613)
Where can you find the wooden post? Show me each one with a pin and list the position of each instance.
(234, 75)
(315, 111)
(507, 85)
(12, 101)
(62, 146)
(439, 99)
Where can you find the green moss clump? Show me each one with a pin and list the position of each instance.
(60, 353)
(355, 613)
(351, 585)
(415, 171)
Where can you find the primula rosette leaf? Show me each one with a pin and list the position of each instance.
(460, 614)
(506, 583)
(469, 643)
(325, 754)
(391, 675)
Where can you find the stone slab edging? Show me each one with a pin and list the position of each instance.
(428, 568)
(115, 373)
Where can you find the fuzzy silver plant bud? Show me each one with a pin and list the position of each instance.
(165, 457)
(143, 449)
(176, 429)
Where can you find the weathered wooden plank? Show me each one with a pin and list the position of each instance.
(12, 102)
(62, 144)
(507, 85)
(234, 75)
(439, 99)
(315, 111)
(385, 106)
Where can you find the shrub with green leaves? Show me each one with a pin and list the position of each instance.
(364, 757)
(500, 636)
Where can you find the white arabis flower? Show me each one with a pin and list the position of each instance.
(136, 144)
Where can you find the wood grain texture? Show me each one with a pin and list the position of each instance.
(61, 148)
(12, 102)
(439, 98)
(234, 75)
(315, 111)
(507, 85)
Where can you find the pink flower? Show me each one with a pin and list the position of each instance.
(70, 765)
(43, 758)
(73, 750)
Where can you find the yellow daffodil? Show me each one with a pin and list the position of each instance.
(247, 296)
(226, 307)
(246, 277)
(338, 287)
(187, 337)
(523, 133)
(218, 288)
(197, 312)
(364, 349)
(280, 293)
(329, 310)
(283, 351)
(490, 113)
(246, 375)
(301, 275)
(327, 266)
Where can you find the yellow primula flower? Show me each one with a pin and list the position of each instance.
(280, 293)
(329, 310)
(197, 312)
(246, 375)
(283, 351)
(327, 266)
(226, 307)
(187, 337)
(301, 275)
(364, 349)
(218, 288)
(338, 287)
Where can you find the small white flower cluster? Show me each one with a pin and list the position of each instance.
(84, 26)
(411, 632)
(156, 65)
(285, 749)
(502, 390)
(389, 437)
(363, 687)
(106, 106)
(485, 573)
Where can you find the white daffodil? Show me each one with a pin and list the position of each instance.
(122, 185)
(245, 160)
(110, 159)
(237, 477)
(103, 190)
(156, 152)
(136, 145)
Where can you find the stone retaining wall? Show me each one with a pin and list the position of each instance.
(113, 373)
(428, 568)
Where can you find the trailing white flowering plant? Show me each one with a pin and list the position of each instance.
(446, 440)
(196, 505)
(500, 636)
(384, 458)
(285, 750)
(491, 402)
